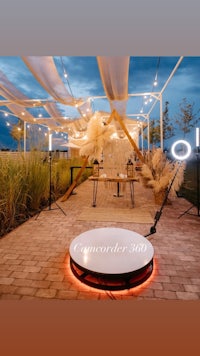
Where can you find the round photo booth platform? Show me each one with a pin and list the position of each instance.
(111, 258)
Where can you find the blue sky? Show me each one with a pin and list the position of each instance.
(85, 81)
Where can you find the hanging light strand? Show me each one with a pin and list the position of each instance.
(156, 76)
(66, 77)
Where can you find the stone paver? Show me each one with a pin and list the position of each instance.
(34, 259)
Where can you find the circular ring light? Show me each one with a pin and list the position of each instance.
(188, 151)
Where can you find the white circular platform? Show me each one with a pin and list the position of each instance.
(110, 252)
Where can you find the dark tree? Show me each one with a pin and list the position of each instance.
(186, 119)
(168, 128)
(154, 132)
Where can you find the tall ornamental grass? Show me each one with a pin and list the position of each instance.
(24, 186)
(37, 181)
(13, 194)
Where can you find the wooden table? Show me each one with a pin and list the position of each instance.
(117, 180)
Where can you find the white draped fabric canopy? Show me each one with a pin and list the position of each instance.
(114, 75)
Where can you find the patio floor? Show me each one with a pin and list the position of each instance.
(34, 259)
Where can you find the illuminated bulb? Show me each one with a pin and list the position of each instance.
(76, 105)
(45, 134)
(6, 114)
(61, 134)
(65, 75)
(7, 123)
(88, 110)
(84, 115)
(65, 137)
(40, 115)
(155, 83)
(146, 102)
(19, 129)
(39, 129)
(150, 100)
(28, 126)
(23, 113)
(141, 111)
(114, 135)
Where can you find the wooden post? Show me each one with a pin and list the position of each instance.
(72, 186)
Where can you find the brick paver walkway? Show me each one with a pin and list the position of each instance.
(34, 260)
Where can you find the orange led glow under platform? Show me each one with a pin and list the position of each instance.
(117, 286)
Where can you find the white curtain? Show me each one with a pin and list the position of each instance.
(18, 110)
(9, 92)
(114, 75)
(44, 70)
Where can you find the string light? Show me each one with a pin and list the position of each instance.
(155, 83)
(156, 76)
(66, 77)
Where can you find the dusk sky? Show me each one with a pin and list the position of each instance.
(85, 81)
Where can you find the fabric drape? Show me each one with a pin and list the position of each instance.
(44, 70)
(114, 75)
(17, 110)
(9, 92)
